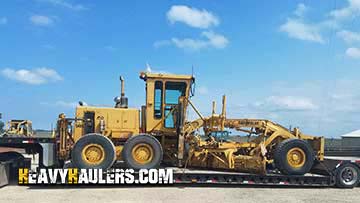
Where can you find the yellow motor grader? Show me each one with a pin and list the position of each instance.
(18, 128)
(160, 133)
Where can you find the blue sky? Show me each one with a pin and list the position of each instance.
(294, 62)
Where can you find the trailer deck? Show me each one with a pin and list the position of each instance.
(195, 176)
(209, 177)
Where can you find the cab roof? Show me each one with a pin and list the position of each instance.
(146, 75)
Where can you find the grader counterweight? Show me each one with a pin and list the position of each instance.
(161, 133)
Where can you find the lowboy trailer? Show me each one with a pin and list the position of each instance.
(332, 172)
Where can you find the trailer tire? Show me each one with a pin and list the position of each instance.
(294, 157)
(93, 151)
(347, 176)
(142, 152)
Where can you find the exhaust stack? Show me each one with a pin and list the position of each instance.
(223, 112)
(213, 108)
(122, 93)
(122, 101)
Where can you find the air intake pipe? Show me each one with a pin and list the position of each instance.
(122, 101)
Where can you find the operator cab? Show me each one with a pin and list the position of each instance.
(162, 97)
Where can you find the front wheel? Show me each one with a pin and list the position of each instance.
(294, 157)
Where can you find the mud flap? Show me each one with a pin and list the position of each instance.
(4, 174)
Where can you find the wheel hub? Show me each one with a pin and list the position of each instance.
(349, 175)
(296, 157)
(93, 154)
(142, 153)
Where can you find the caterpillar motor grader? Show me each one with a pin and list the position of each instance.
(160, 133)
(19, 128)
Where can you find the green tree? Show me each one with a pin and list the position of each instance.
(2, 126)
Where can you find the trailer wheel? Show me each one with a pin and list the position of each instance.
(93, 151)
(142, 151)
(294, 157)
(347, 176)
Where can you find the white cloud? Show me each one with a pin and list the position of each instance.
(353, 52)
(60, 103)
(66, 4)
(33, 77)
(195, 18)
(326, 107)
(192, 16)
(300, 10)
(288, 103)
(3, 21)
(216, 40)
(149, 69)
(202, 90)
(212, 39)
(351, 10)
(349, 36)
(297, 29)
(66, 104)
(41, 20)
(189, 44)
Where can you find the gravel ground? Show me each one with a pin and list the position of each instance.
(176, 194)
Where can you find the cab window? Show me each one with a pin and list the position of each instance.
(158, 100)
(173, 90)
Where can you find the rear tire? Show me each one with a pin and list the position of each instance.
(142, 152)
(93, 151)
(347, 176)
(294, 157)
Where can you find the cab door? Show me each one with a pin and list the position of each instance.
(173, 90)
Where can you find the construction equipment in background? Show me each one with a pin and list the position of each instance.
(18, 128)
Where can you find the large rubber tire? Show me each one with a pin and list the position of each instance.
(282, 163)
(135, 141)
(347, 176)
(109, 153)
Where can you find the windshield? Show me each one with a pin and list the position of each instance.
(220, 135)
